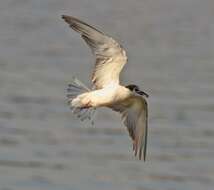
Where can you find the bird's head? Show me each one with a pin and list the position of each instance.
(135, 88)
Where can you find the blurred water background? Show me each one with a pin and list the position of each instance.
(170, 44)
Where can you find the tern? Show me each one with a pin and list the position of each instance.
(106, 90)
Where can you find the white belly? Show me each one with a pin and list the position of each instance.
(104, 97)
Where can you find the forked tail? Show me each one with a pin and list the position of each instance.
(74, 89)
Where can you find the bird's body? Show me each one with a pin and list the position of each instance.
(111, 94)
(107, 90)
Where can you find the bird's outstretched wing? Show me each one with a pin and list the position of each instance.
(110, 56)
(134, 113)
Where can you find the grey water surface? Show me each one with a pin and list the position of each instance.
(170, 44)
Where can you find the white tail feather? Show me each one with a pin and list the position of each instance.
(75, 88)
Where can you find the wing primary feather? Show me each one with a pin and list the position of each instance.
(143, 143)
(146, 135)
(71, 21)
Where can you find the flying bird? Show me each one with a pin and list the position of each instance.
(106, 91)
